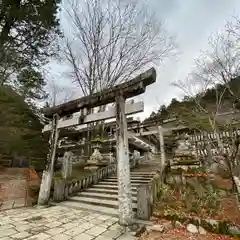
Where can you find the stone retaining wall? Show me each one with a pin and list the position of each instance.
(14, 187)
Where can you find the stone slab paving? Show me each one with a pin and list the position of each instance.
(59, 223)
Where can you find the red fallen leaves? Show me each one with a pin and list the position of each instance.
(33, 174)
(182, 234)
(230, 211)
(177, 230)
(198, 236)
(179, 233)
(223, 183)
(178, 194)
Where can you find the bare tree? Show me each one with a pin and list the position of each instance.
(206, 120)
(58, 94)
(205, 116)
(218, 68)
(233, 28)
(221, 64)
(109, 41)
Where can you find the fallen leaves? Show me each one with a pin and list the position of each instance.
(182, 234)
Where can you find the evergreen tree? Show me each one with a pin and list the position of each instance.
(20, 129)
(27, 33)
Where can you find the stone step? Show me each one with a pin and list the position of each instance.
(135, 176)
(132, 178)
(97, 195)
(107, 191)
(139, 176)
(98, 202)
(115, 180)
(116, 183)
(110, 185)
(93, 208)
(142, 173)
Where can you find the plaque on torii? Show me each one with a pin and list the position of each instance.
(80, 107)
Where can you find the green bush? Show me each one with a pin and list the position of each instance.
(198, 197)
(167, 194)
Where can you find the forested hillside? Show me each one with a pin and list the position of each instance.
(186, 110)
(28, 34)
(20, 130)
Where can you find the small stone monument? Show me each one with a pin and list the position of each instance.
(185, 156)
(136, 154)
(184, 147)
(67, 165)
(135, 158)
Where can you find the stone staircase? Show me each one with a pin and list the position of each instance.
(103, 196)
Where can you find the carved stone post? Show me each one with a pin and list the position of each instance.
(46, 183)
(124, 183)
(67, 165)
(146, 156)
(162, 150)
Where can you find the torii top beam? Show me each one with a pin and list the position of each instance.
(128, 89)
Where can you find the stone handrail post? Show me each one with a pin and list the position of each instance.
(147, 195)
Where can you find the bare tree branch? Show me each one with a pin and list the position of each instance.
(216, 69)
(111, 40)
(58, 94)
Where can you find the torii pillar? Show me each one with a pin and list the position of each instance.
(47, 175)
(123, 165)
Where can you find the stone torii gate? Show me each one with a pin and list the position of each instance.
(117, 94)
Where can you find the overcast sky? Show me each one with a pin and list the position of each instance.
(192, 21)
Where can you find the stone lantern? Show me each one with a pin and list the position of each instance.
(95, 160)
(97, 145)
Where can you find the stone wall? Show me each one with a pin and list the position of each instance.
(14, 187)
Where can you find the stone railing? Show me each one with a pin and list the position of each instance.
(64, 188)
(147, 195)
